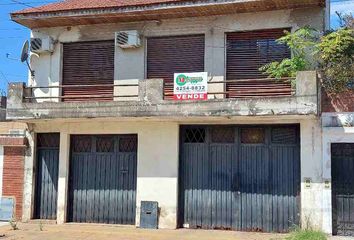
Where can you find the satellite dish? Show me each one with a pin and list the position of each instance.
(25, 55)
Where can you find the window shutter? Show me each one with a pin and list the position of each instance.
(88, 63)
(246, 53)
(173, 54)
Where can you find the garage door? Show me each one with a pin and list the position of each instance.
(103, 179)
(342, 189)
(240, 177)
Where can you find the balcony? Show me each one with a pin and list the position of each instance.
(152, 98)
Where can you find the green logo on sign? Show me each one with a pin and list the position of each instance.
(182, 79)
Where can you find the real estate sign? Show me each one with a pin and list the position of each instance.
(190, 86)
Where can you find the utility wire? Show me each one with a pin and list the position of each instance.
(25, 4)
(15, 3)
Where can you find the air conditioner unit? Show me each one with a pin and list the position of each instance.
(42, 45)
(127, 39)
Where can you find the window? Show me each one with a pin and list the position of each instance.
(105, 144)
(88, 63)
(284, 135)
(223, 135)
(252, 135)
(48, 140)
(81, 143)
(194, 135)
(246, 52)
(128, 143)
(174, 54)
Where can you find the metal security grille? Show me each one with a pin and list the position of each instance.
(342, 188)
(227, 184)
(102, 187)
(47, 176)
(246, 52)
(88, 63)
(174, 54)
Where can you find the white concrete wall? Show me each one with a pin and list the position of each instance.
(131, 63)
(311, 170)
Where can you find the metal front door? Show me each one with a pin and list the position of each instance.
(240, 177)
(103, 171)
(343, 188)
(47, 176)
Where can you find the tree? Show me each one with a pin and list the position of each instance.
(332, 53)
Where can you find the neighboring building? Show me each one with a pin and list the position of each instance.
(106, 133)
(12, 159)
(338, 158)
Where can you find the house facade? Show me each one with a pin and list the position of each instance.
(337, 121)
(106, 133)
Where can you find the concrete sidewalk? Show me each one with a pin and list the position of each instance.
(31, 231)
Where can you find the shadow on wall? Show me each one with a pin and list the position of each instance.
(338, 102)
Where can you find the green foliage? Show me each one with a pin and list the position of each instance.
(286, 68)
(332, 54)
(336, 45)
(300, 42)
(308, 234)
(336, 57)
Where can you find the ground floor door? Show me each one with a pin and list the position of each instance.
(47, 176)
(102, 183)
(343, 188)
(240, 177)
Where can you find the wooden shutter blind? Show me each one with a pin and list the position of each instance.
(246, 53)
(173, 54)
(88, 63)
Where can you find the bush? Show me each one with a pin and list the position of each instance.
(308, 234)
(332, 54)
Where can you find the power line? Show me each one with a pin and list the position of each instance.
(14, 3)
(25, 4)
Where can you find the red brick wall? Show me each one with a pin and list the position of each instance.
(340, 102)
(13, 174)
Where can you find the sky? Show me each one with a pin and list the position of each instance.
(13, 35)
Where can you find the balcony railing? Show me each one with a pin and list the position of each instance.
(152, 98)
(129, 90)
(244, 88)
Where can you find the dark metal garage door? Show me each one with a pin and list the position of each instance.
(47, 176)
(103, 179)
(240, 177)
(343, 188)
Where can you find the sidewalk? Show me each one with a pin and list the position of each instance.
(31, 231)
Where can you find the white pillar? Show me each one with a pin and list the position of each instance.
(157, 174)
(29, 166)
(311, 174)
(64, 150)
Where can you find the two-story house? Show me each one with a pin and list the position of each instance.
(106, 132)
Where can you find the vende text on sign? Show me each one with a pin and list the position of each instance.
(190, 86)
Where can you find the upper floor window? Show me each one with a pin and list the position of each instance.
(246, 52)
(88, 71)
(174, 54)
